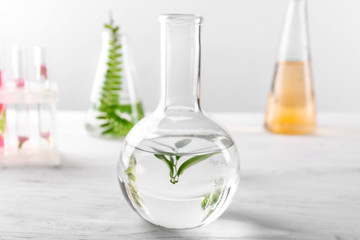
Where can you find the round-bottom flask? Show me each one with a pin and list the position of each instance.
(178, 168)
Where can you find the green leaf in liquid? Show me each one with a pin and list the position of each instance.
(215, 197)
(131, 176)
(211, 201)
(182, 143)
(168, 163)
(194, 160)
(135, 195)
(205, 201)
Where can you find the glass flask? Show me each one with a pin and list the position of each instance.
(114, 105)
(178, 167)
(291, 105)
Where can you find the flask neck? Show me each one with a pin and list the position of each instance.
(294, 45)
(180, 62)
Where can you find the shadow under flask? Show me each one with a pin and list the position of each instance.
(178, 168)
(291, 105)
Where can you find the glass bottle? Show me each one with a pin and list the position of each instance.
(114, 106)
(291, 105)
(179, 168)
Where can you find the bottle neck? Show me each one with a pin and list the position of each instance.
(294, 45)
(180, 62)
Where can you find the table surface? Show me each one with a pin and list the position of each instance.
(292, 187)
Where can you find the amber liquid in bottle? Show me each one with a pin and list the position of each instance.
(291, 106)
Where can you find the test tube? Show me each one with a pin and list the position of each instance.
(22, 110)
(44, 109)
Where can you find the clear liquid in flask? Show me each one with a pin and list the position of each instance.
(190, 191)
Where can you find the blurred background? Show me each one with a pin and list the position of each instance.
(238, 53)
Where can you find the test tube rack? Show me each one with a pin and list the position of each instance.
(37, 102)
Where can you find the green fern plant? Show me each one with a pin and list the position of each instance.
(110, 108)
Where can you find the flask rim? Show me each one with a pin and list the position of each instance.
(181, 19)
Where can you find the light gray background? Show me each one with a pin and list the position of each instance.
(240, 40)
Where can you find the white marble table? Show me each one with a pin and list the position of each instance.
(293, 187)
